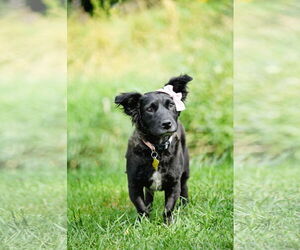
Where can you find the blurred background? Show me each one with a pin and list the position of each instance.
(137, 45)
(32, 125)
(266, 124)
(110, 51)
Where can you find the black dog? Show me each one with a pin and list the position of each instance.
(157, 156)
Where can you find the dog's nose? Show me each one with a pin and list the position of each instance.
(167, 124)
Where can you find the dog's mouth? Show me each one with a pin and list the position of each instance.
(169, 132)
(166, 132)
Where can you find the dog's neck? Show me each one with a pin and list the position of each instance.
(155, 140)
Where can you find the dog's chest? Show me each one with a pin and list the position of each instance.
(157, 179)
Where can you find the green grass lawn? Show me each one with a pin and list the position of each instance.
(33, 208)
(102, 216)
(33, 174)
(267, 135)
(267, 207)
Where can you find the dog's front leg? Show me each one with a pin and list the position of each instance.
(149, 194)
(171, 196)
(136, 195)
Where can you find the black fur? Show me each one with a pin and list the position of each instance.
(156, 120)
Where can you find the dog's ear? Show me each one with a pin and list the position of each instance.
(129, 102)
(179, 84)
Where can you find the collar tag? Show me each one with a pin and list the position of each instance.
(155, 163)
(154, 154)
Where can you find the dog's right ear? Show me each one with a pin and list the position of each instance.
(129, 102)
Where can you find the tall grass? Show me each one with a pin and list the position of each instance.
(140, 52)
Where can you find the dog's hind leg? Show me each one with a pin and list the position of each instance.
(149, 195)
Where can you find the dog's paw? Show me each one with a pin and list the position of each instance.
(143, 216)
(169, 220)
(183, 201)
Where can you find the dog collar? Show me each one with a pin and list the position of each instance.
(154, 153)
(159, 147)
(164, 146)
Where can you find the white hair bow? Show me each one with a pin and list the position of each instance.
(175, 96)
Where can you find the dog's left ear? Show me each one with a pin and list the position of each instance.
(179, 84)
(129, 102)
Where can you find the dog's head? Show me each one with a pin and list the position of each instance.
(155, 113)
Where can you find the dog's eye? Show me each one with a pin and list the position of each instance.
(150, 109)
(171, 105)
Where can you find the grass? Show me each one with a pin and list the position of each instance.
(32, 124)
(267, 207)
(266, 122)
(102, 216)
(32, 209)
(265, 94)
